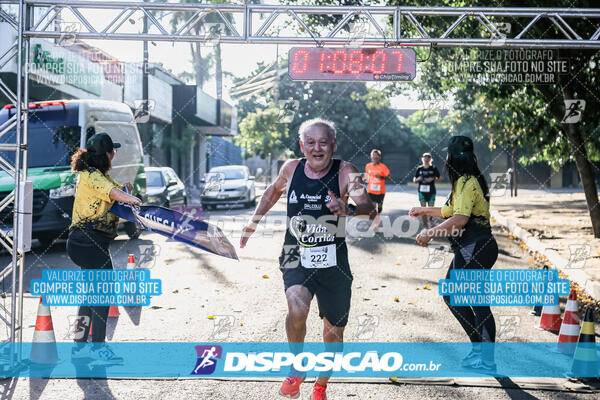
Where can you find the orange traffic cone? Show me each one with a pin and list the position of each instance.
(585, 360)
(550, 320)
(131, 262)
(43, 346)
(569, 330)
(113, 311)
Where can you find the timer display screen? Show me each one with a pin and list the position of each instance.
(352, 64)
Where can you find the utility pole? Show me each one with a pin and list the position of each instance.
(145, 111)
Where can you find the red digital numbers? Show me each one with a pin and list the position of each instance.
(362, 64)
(382, 55)
(301, 61)
(339, 61)
(400, 59)
(355, 65)
(344, 61)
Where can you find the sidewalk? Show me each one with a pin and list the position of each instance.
(561, 223)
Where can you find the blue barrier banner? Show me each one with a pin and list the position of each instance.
(96, 287)
(178, 226)
(503, 287)
(274, 359)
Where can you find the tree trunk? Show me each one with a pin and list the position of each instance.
(514, 168)
(198, 64)
(276, 81)
(219, 71)
(573, 132)
(576, 143)
(586, 174)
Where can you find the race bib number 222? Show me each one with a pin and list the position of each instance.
(318, 257)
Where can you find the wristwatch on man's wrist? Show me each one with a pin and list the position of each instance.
(352, 209)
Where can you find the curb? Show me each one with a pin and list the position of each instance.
(556, 262)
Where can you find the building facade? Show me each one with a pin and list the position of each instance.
(181, 120)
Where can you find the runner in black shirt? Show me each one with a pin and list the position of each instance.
(314, 260)
(426, 175)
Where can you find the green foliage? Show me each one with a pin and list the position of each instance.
(261, 132)
(526, 116)
(362, 116)
(429, 137)
(182, 144)
(315, 21)
(523, 116)
(373, 99)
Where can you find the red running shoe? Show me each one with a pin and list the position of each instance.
(319, 392)
(290, 387)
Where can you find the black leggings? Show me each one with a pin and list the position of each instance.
(477, 321)
(89, 249)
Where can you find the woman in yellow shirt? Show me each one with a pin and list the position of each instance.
(92, 230)
(467, 225)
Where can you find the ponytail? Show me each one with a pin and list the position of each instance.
(82, 161)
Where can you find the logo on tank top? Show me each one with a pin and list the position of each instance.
(309, 232)
(310, 198)
(313, 207)
(293, 198)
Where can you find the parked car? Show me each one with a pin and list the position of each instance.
(164, 188)
(230, 184)
(56, 129)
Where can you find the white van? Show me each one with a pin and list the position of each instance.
(56, 129)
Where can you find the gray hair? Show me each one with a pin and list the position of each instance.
(321, 123)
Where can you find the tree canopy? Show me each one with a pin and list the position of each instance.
(517, 115)
(363, 116)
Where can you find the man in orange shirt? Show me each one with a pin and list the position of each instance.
(377, 173)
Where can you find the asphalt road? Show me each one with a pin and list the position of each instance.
(393, 285)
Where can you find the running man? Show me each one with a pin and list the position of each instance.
(377, 173)
(426, 175)
(207, 357)
(314, 260)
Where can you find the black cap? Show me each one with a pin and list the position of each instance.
(459, 144)
(101, 143)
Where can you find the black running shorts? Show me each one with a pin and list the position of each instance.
(332, 286)
(377, 199)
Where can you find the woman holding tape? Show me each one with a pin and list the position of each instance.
(467, 225)
(92, 230)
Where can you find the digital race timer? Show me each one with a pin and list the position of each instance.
(350, 64)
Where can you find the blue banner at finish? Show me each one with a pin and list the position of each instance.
(274, 360)
(178, 226)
